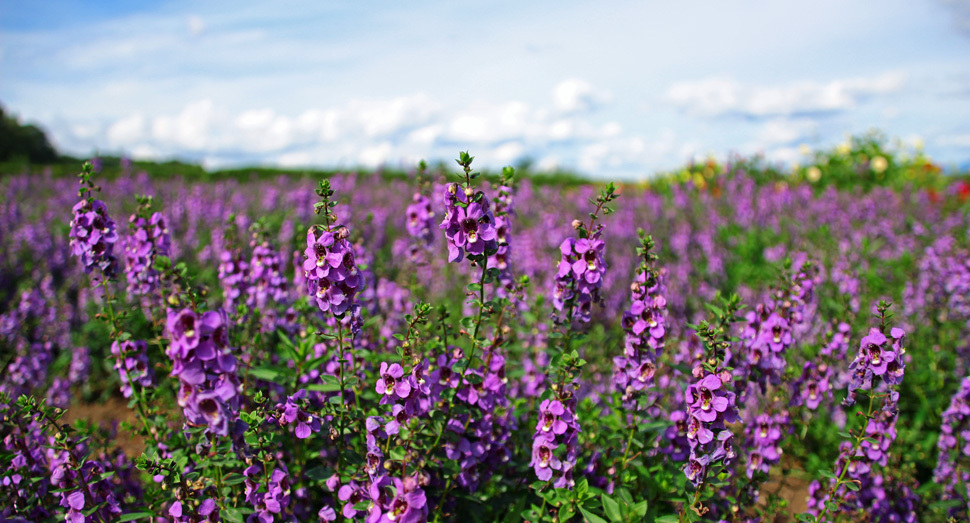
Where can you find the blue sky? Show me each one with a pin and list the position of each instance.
(609, 89)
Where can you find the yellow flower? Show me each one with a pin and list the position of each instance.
(813, 174)
(879, 165)
(843, 149)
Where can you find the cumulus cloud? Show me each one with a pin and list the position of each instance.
(574, 95)
(724, 96)
(786, 131)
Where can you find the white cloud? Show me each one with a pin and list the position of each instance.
(575, 95)
(195, 24)
(786, 131)
(127, 131)
(719, 96)
(190, 129)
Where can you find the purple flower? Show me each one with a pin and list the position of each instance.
(333, 279)
(131, 362)
(293, 412)
(93, 236)
(544, 460)
(391, 382)
(469, 224)
(580, 275)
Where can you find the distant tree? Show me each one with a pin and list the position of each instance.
(23, 142)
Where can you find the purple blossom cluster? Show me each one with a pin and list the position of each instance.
(580, 275)
(93, 236)
(954, 451)
(872, 494)
(205, 366)
(645, 332)
(502, 259)
(420, 222)
(149, 238)
(814, 385)
(84, 489)
(878, 357)
(268, 492)
(763, 441)
(333, 279)
(131, 363)
(709, 406)
(469, 224)
(267, 280)
(557, 427)
(234, 277)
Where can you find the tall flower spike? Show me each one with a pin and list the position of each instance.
(332, 276)
(644, 324)
(93, 234)
(582, 265)
(469, 224)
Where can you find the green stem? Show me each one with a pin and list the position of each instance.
(845, 468)
(471, 357)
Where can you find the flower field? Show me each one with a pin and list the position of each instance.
(726, 343)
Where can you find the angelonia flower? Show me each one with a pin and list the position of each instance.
(206, 368)
(813, 386)
(267, 280)
(420, 222)
(84, 489)
(59, 393)
(93, 236)
(469, 224)
(293, 412)
(765, 338)
(709, 406)
(878, 357)
(954, 451)
(580, 275)
(502, 258)
(874, 495)
(882, 500)
(131, 362)
(271, 498)
(233, 277)
(149, 238)
(393, 303)
(408, 504)
(333, 279)
(268, 286)
(644, 325)
(769, 331)
(763, 439)
(80, 365)
(555, 442)
(207, 511)
(482, 447)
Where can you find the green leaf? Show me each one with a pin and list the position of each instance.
(589, 517)
(640, 509)
(266, 374)
(669, 518)
(852, 485)
(612, 508)
(135, 515)
(323, 387)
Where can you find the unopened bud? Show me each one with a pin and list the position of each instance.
(577, 224)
